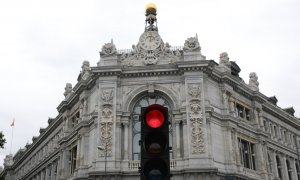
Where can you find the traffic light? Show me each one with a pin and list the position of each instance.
(155, 158)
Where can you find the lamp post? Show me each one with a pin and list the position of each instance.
(105, 156)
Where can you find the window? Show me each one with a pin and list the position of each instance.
(269, 164)
(289, 169)
(275, 131)
(136, 122)
(298, 171)
(242, 111)
(73, 154)
(247, 154)
(278, 163)
(75, 119)
(265, 125)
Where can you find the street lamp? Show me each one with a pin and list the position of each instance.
(105, 155)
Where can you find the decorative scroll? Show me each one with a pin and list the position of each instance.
(106, 122)
(196, 120)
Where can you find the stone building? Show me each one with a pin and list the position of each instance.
(221, 127)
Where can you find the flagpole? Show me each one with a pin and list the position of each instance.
(12, 134)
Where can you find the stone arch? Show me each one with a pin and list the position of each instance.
(158, 90)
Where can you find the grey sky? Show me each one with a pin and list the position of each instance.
(43, 44)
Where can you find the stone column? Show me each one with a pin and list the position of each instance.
(126, 140)
(260, 158)
(294, 170)
(274, 167)
(177, 136)
(185, 137)
(231, 106)
(284, 168)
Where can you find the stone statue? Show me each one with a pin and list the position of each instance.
(224, 59)
(85, 70)
(191, 45)
(108, 49)
(8, 160)
(68, 90)
(253, 83)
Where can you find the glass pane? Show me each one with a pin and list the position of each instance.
(144, 103)
(160, 101)
(152, 100)
(137, 110)
(137, 126)
(136, 146)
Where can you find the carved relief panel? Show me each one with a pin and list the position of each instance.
(106, 122)
(196, 119)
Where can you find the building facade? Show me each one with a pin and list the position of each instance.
(221, 127)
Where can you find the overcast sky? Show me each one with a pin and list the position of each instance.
(43, 44)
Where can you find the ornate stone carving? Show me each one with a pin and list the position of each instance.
(68, 90)
(8, 160)
(196, 120)
(149, 51)
(194, 90)
(127, 90)
(253, 83)
(106, 122)
(106, 132)
(224, 59)
(85, 70)
(191, 45)
(175, 87)
(107, 96)
(108, 49)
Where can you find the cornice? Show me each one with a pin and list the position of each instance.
(39, 140)
(281, 114)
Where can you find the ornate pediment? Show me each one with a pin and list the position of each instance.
(150, 50)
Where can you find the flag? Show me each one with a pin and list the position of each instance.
(13, 123)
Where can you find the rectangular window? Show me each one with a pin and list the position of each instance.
(247, 154)
(75, 119)
(73, 154)
(242, 111)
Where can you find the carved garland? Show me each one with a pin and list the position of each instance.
(106, 122)
(196, 120)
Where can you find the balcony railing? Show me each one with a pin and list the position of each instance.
(134, 165)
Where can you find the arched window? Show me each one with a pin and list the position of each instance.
(136, 122)
(289, 169)
(278, 163)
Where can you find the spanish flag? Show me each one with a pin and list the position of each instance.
(13, 123)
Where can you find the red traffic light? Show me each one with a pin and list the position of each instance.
(155, 118)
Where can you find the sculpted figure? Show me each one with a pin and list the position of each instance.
(85, 70)
(253, 83)
(108, 49)
(68, 90)
(191, 45)
(224, 59)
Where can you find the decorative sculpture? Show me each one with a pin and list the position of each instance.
(108, 49)
(68, 90)
(253, 83)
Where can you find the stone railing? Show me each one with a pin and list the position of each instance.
(134, 165)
